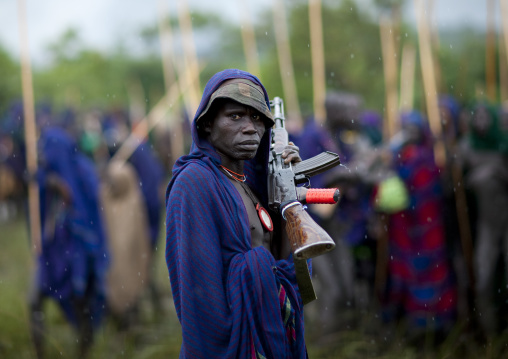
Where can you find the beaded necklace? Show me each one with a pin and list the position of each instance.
(240, 178)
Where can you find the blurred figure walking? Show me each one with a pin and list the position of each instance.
(72, 265)
(420, 290)
(486, 171)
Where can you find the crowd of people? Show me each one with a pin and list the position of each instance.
(100, 218)
(422, 237)
(419, 240)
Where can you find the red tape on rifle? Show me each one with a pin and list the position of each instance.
(322, 195)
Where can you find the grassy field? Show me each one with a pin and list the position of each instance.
(157, 335)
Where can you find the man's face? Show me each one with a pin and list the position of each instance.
(481, 121)
(412, 133)
(236, 131)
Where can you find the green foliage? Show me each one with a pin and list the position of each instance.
(82, 77)
(10, 85)
(66, 46)
(462, 61)
(352, 53)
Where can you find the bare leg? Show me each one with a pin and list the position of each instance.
(485, 262)
(37, 320)
(85, 328)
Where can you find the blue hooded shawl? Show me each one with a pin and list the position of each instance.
(232, 300)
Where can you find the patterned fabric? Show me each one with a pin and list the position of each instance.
(226, 293)
(421, 284)
(74, 256)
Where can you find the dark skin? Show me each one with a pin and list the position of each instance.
(481, 121)
(235, 131)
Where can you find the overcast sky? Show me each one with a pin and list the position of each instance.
(101, 23)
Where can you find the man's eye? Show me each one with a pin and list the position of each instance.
(235, 116)
(256, 117)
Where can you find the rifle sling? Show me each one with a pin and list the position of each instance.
(304, 281)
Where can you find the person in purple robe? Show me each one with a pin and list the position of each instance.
(232, 275)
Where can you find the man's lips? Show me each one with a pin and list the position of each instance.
(250, 144)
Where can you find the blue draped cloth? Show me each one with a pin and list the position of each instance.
(151, 175)
(74, 256)
(232, 300)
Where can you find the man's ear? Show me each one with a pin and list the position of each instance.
(207, 127)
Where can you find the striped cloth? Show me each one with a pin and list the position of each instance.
(422, 283)
(232, 301)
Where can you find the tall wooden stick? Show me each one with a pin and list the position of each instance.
(137, 102)
(168, 63)
(407, 77)
(191, 59)
(503, 70)
(318, 60)
(166, 44)
(249, 41)
(285, 63)
(429, 81)
(504, 22)
(490, 53)
(30, 130)
(435, 44)
(179, 66)
(390, 72)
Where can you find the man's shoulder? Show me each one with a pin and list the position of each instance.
(195, 172)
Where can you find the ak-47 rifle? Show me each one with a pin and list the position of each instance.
(307, 238)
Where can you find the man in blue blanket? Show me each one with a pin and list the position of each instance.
(232, 274)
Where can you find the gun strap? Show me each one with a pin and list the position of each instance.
(304, 281)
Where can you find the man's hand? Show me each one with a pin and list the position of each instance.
(291, 154)
(57, 184)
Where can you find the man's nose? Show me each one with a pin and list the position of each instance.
(249, 125)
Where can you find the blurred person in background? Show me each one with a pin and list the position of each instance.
(12, 163)
(150, 182)
(232, 274)
(74, 258)
(128, 234)
(451, 183)
(124, 209)
(420, 290)
(354, 262)
(332, 270)
(486, 174)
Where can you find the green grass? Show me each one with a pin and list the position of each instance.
(157, 335)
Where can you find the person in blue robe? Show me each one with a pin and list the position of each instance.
(235, 295)
(73, 261)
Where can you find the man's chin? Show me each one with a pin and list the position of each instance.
(248, 155)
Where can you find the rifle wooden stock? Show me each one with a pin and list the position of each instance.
(306, 237)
